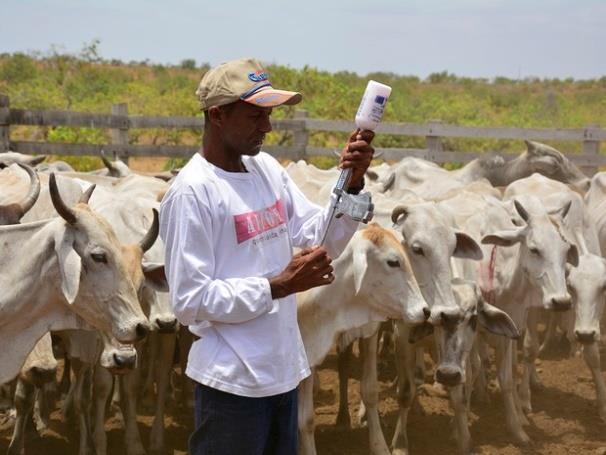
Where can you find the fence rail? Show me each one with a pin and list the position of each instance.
(119, 123)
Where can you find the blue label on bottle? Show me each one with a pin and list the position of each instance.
(380, 100)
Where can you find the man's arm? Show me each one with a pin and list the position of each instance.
(308, 221)
(189, 265)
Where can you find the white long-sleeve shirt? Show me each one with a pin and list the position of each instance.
(226, 234)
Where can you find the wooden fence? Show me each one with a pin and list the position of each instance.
(119, 123)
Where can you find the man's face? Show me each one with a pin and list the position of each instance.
(244, 127)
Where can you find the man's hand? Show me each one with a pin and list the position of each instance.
(357, 154)
(308, 269)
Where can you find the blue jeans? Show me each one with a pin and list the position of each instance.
(228, 424)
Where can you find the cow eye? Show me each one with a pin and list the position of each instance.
(393, 263)
(99, 257)
(534, 251)
(416, 249)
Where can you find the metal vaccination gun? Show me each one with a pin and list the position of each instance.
(359, 207)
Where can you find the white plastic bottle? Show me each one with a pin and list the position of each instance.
(372, 105)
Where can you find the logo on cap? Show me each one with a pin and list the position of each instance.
(258, 76)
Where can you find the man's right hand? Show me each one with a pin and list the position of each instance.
(307, 269)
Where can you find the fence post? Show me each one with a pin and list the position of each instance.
(301, 137)
(590, 147)
(433, 142)
(119, 136)
(4, 125)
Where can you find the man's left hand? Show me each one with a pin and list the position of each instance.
(357, 155)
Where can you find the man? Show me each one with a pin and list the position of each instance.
(230, 222)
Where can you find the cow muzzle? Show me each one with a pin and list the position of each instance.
(560, 303)
(449, 375)
(123, 362)
(585, 336)
(142, 330)
(166, 325)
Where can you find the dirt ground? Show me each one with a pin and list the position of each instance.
(565, 419)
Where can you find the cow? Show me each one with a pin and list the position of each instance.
(49, 286)
(564, 221)
(127, 204)
(373, 281)
(595, 199)
(523, 262)
(430, 180)
(457, 335)
(431, 239)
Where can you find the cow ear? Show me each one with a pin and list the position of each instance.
(496, 321)
(419, 331)
(504, 238)
(360, 268)
(467, 248)
(70, 264)
(573, 256)
(531, 146)
(155, 276)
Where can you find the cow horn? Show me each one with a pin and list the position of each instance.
(36, 160)
(521, 210)
(151, 236)
(64, 211)
(388, 184)
(566, 208)
(34, 189)
(110, 166)
(399, 210)
(87, 194)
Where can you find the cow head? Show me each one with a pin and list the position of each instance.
(552, 163)
(118, 358)
(383, 276)
(430, 241)
(587, 285)
(456, 334)
(94, 275)
(544, 250)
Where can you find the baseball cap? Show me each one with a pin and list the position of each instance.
(244, 79)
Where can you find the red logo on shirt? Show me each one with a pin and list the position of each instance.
(252, 224)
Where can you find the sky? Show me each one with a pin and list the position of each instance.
(475, 38)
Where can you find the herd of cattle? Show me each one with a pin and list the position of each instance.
(460, 261)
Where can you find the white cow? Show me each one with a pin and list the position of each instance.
(595, 199)
(587, 283)
(47, 283)
(566, 217)
(373, 281)
(430, 180)
(456, 336)
(524, 263)
(431, 240)
(127, 204)
(84, 348)
(579, 228)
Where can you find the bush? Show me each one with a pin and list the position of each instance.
(188, 64)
